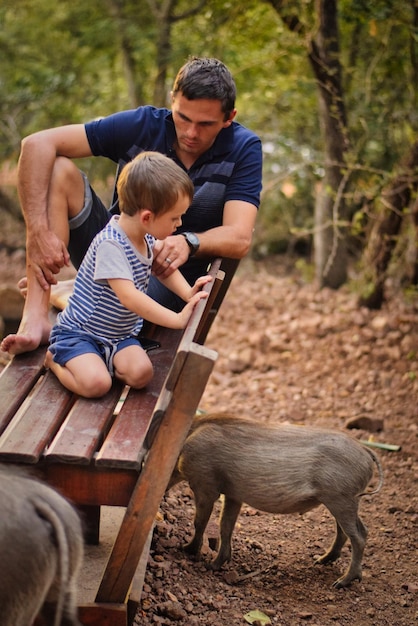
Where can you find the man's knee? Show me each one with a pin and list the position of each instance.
(67, 185)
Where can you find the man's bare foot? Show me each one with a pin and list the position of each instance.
(59, 292)
(26, 340)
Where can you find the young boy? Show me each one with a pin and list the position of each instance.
(95, 337)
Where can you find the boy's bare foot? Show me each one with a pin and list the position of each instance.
(48, 360)
(26, 340)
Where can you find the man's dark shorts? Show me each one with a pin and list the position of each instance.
(84, 227)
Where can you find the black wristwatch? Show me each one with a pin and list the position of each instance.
(192, 241)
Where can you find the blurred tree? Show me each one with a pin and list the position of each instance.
(321, 35)
(68, 62)
(393, 204)
(166, 14)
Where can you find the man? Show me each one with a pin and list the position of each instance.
(63, 214)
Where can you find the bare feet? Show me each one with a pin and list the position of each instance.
(59, 292)
(26, 339)
(48, 360)
(35, 326)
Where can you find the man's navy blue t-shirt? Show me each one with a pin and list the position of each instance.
(230, 170)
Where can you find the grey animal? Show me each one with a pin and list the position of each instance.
(277, 469)
(41, 551)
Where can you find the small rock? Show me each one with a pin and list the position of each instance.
(173, 610)
(231, 577)
(380, 323)
(371, 424)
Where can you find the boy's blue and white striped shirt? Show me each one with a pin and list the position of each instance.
(93, 307)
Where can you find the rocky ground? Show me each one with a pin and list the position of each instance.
(289, 353)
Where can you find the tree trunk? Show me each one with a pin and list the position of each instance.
(330, 210)
(395, 199)
(135, 93)
(160, 97)
(165, 15)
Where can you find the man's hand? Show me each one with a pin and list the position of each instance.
(47, 255)
(169, 254)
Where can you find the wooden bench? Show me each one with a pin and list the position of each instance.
(117, 451)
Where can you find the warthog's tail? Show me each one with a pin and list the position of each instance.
(45, 511)
(379, 469)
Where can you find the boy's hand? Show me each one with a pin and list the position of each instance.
(199, 284)
(186, 312)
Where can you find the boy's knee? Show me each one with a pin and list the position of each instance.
(95, 387)
(137, 377)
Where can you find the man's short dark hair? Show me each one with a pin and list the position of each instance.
(206, 78)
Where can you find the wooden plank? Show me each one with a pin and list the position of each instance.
(203, 307)
(87, 485)
(205, 321)
(26, 437)
(85, 428)
(103, 614)
(17, 380)
(228, 267)
(153, 480)
(135, 593)
(124, 441)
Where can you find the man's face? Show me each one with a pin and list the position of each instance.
(197, 123)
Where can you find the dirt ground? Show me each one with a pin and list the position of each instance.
(289, 353)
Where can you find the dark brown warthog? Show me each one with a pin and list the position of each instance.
(278, 469)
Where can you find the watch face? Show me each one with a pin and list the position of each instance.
(193, 242)
(193, 239)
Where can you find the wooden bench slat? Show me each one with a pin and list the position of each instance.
(84, 429)
(124, 441)
(27, 436)
(201, 311)
(16, 381)
(87, 485)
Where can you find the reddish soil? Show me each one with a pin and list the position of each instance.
(291, 353)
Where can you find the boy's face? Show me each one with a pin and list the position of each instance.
(197, 123)
(161, 226)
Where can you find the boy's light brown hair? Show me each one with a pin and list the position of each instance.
(152, 181)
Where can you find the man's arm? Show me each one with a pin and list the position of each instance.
(36, 162)
(232, 239)
(48, 194)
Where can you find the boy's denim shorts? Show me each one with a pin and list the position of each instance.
(66, 345)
